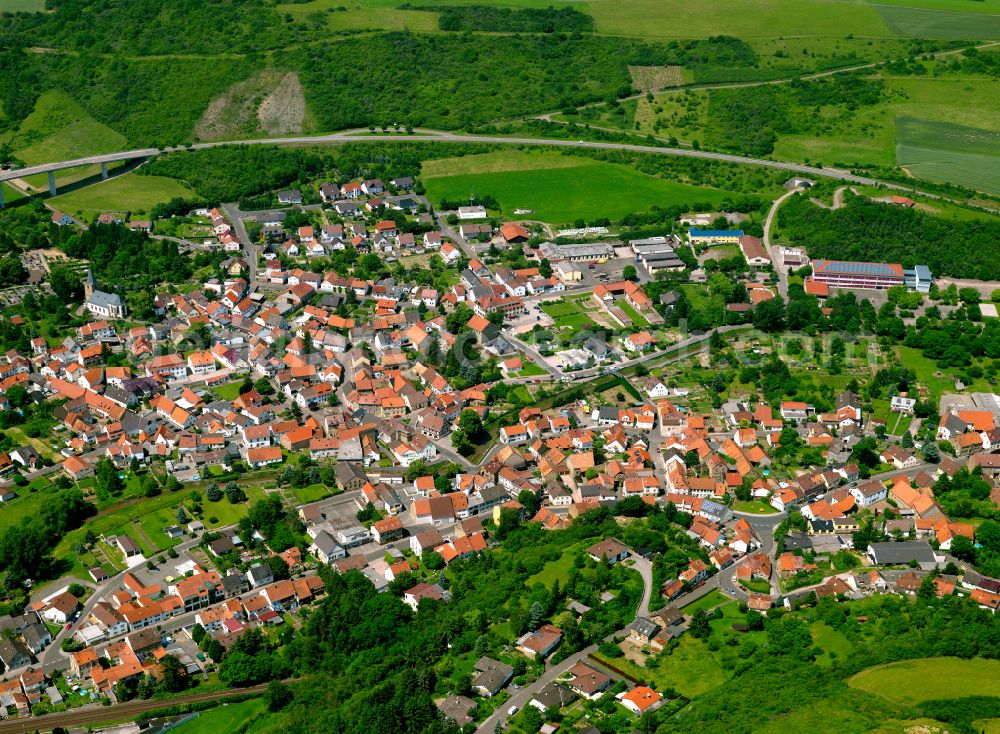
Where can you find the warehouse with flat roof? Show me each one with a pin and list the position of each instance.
(846, 274)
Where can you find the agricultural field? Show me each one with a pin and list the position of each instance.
(913, 681)
(558, 188)
(129, 191)
(956, 21)
(669, 19)
(949, 153)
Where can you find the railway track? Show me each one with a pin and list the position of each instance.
(119, 712)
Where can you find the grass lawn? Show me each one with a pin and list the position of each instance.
(22, 6)
(637, 318)
(10, 194)
(228, 390)
(570, 315)
(530, 369)
(757, 507)
(831, 641)
(312, 493)
(557, 569)
(913, 681)
(760, 586)
(711, 600)
(224, 718)
(557, 187)
(690, 669)
(129, 191)
(898, 423)
(226, 513)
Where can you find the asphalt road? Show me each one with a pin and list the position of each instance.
(435, 136)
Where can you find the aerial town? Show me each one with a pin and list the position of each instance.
(274, 425)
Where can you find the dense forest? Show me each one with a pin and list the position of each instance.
(872, 231)
(127, 260)
(460, 81)
(489, 19)
(749, 120)
(153, 27)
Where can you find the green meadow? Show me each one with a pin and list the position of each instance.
(557, 188)
(128, 192)
(912, 682)
(60, 129)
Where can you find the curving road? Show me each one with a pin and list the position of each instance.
(435, 136)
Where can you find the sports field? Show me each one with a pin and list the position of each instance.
(558, 188)
(128, 192)
(914, 681)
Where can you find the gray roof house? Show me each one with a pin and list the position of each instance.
(902, 554)
(491, 676)
(326, 548)
(553, 696)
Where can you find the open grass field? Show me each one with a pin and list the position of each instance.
(558, 188)
(22, 6)
(60, 129)
(10, 194)
(913, 681)
(343, 17)
(126, 192)
(224, 719)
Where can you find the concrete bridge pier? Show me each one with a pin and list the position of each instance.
(52, 183)
(104, 171)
